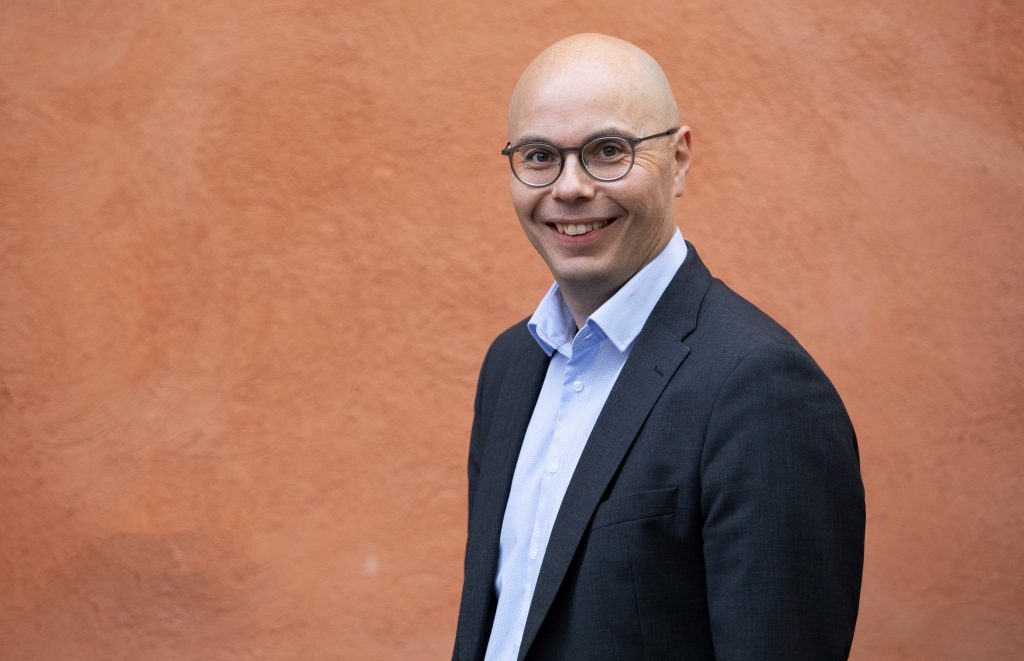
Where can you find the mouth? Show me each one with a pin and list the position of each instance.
(579, 229)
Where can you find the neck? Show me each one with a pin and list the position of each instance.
(585, 295)
(583, 302)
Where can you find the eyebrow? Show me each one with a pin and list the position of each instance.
(608, 131)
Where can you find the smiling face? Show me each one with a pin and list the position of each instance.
(595, 235)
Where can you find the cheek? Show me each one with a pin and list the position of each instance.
(658, 172)
(524, 202)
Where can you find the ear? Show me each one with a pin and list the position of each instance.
(684, 143)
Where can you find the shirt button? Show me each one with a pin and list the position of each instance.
(553, 466)
(577, 385)
(533, 553)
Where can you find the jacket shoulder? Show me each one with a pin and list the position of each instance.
(510, 345)
(736, 321)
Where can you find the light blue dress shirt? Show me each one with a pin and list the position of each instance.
(581, 374)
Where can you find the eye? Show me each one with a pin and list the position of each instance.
(610, 149)
(538, 156)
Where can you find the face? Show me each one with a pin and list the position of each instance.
(596, 235)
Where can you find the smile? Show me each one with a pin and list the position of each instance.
(582, 228)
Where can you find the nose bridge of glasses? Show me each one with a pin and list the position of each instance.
(581, 162)
(566, 151)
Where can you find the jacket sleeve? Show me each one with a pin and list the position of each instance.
(476, 435)
(476, 449)
(783, 507)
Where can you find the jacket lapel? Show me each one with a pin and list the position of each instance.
(653, 361)
(516, 401)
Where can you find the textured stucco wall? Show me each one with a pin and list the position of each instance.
(245, 294)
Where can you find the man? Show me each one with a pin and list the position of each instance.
(657, 470)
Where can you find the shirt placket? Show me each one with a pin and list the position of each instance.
(562, 448)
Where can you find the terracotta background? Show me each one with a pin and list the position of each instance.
(253, 253)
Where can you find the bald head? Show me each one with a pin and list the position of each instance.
(584, 65)
(592, 101)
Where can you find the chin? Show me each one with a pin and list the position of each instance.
(584, 279)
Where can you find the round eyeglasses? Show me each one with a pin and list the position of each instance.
(606, 158)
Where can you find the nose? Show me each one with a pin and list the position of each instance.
(574, 183)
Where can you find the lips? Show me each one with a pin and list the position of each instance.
(577, 229)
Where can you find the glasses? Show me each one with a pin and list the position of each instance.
(607, 158)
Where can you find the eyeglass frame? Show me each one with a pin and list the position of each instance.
(509, 150)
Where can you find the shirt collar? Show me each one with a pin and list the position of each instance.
(622, 316)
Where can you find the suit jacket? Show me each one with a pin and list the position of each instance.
(717, 511)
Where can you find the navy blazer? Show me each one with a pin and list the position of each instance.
(717, 511)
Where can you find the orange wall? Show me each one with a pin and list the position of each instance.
(253, 253)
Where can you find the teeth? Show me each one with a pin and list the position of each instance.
(576, 230)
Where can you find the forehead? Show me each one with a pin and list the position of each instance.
(572, 104)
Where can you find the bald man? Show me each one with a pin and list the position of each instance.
(657, 470)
